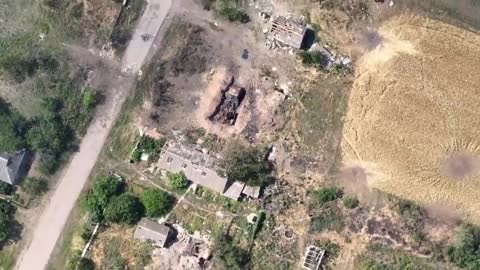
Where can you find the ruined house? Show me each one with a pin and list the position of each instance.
(13, 167)
(199, 168)
(288, 31)
(152, 231)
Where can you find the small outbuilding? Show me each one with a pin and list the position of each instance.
(153, 231)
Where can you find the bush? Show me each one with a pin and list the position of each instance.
(177, 181)
(120, 37)
(466, 253)
(157, 202)
(150, 146)
(103, 190)
(248, 165)
(330, 218)
(5, 188)
(313, 59)
(90, 98)
(228, 254)
(124, 209)
(207, 4)
(233, 14)
(86, 233)
(328, 194)
(35, 186)
(76, 262)
(350, 202)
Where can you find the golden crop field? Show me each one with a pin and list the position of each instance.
(413, 120)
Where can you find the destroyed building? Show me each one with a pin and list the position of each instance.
(200, 168)
(313, 258)
(288, 31)
(231, 98)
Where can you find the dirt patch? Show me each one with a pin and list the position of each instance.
(211, 98)
(461, 166)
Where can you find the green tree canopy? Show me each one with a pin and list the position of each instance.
(466, 253)
(157, 202)
(248, 165)
(177, 180)
(328, 194)
(6, 215)
(12, 129)
(228, 254)
(48, 134)
(125, 209)
(104, 188)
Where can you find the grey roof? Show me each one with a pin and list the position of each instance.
(250, 191)
(199, 167)
(288, 31)
(150, 230)
(234, 190)
(10, 165)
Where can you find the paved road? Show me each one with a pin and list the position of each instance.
(52, 221)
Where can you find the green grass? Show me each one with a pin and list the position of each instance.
(321, 117)
(380, 257)
(8, 256)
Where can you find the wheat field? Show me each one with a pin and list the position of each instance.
(413, 120)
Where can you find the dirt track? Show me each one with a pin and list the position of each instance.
(413, 115)
(36, 255)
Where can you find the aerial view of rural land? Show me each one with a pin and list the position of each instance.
(239, 134)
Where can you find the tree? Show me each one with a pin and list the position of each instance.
(125, 209)
(227, 254)
(177, 181)
(248, 165)
(104, 188)
(157, 202)
(12, 129)
(233, 14)
(328, 194)
(35, 186)
(48, 134)
(5, 188)
(6, 214)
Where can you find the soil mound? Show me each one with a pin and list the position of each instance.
(414, 113)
